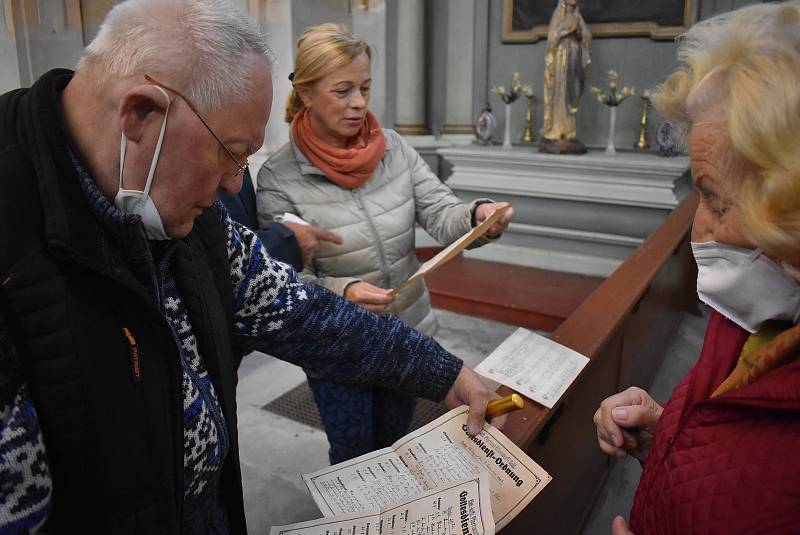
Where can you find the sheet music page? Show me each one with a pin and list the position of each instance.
(435, 455)
(461, 508)
(456, 247)
(534, 366)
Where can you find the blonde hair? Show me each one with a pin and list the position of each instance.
(747, 62)
(321, 50)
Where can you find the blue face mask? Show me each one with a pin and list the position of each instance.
(139, 202)
(744, 285)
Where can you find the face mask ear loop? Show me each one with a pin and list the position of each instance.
(158, 145)
(122, 144)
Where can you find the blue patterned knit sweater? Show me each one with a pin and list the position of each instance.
(275, 312)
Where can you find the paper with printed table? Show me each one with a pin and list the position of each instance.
(434, 456)
(461, 508)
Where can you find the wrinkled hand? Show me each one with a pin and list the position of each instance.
(620, 527)
(369, 296)
(309, 238)
(469, 389)
(626, 423)
(485, 210)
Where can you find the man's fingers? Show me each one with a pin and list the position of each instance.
(477, 414)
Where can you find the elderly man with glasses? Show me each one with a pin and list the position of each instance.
(128, 296)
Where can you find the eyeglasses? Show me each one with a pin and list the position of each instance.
(240, 167)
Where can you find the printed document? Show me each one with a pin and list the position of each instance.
(457, 509)
(449, 252)
(434, 456)
(534, 366)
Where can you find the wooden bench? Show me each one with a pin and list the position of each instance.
(623, 326)
(517, 295)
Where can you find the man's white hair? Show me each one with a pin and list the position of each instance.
(202, 47)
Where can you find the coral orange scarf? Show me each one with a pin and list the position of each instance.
(347, 167)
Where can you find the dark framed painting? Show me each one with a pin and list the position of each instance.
(526, 21)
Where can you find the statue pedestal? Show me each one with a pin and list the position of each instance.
(576, 214)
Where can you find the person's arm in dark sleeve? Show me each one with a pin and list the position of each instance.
(279, 240)
(314, 328)
(281, 244)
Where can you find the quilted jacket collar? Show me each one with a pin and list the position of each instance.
(723, 342)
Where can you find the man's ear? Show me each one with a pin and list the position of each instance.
(139, 106)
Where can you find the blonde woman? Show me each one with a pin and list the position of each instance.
(721, 455)
(342, 171)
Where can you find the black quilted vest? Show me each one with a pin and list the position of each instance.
(110, 410)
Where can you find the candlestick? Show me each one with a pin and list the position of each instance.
(642, 142)
(528, 136)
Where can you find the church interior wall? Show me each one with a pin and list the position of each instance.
(640, 61)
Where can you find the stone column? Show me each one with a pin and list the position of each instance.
(460, 45)
(9, 64)
(369, 23)
(410, 68)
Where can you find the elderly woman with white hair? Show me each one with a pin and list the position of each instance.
(721, 455)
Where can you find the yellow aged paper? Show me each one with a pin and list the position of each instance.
(449, 252)
(462, 508)
(534, 366)
(434, 456)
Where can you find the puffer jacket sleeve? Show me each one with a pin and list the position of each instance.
(273, 201)
(438, 210)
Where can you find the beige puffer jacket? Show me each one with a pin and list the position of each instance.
(376, 221)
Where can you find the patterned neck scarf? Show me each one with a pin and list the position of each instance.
(774, 344)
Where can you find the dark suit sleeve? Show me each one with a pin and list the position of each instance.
(281, 244)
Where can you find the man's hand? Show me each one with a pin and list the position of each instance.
(626, 423)
(485, 210)
(469, 389)
(309, 236)
(369, 296)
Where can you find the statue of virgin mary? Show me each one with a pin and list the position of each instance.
(566, 66)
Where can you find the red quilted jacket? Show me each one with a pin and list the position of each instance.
(726, 465)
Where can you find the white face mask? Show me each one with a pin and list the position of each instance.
(132, 201)
(744, 285)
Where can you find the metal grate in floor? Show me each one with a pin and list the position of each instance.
(298, 404)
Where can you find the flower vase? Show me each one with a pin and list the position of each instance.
(612, 128)
(507, 134)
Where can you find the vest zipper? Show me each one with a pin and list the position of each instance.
(133, 348)
(376, 238)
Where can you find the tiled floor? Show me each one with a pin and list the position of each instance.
(275, 451)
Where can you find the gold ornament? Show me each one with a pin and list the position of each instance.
(643, 143)
(527, 136)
